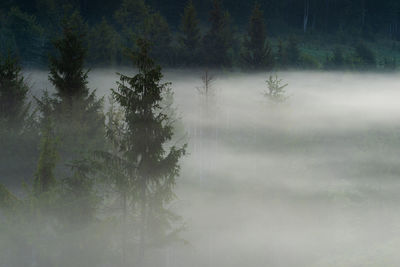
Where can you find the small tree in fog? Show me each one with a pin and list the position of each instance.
(257, 52)
(276, 90)
(206, 89)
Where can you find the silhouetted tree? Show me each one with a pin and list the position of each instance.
(157, 31)
(257, 54)
(104, 44)
(13, 93)
(218, 41)
(190, 35)
(74, 109)
(151, 168)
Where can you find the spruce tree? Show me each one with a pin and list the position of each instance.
(190, 35)
(258, 54)
(104, 44)
(151, 168)
(67, 72)
(78, 113)
(218, 41)
(13, 94)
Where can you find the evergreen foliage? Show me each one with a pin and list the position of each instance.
(190, 38)
(157, 32)
(104, 43)
(293, 52)
(364, 56)
(258, 54)
(151, 169)
(276, 90)
(13, 93)
(218, 41)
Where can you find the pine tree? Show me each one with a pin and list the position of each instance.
(151, 167)
(67, 72)
(190, 36)
(74, 109)
(13, 93)
(218, 41)
(257, 53)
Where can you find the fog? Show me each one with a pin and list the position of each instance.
(313, 181)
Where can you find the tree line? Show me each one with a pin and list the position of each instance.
(103, 181)
(214, 34)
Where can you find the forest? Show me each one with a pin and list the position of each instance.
(155, 133)
(289, 34)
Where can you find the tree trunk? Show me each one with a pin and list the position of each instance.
(143, 213)
(124, 229)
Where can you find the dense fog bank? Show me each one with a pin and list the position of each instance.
(312, 181)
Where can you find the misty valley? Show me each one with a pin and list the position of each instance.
(311, 181)
(201, 133)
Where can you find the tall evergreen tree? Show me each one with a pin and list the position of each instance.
(67, 72)
(190, 35)
(147, 131)
(257, 52)
(218, 41)
(74, 109)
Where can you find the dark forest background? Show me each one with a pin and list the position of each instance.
(311, 34)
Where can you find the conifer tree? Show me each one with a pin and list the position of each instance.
(190, 34)
(67, 72)
(157, 31)
(257, 53)
(150, 167)
(218, 41)
(104, 44)
(74, 108)
(13, 93)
